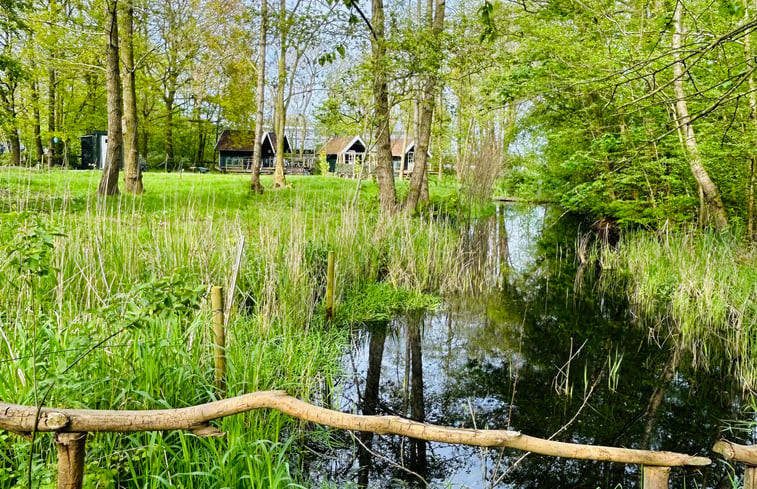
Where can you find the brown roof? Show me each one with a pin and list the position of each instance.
(340, 144)
(234, 140)
(400, 145)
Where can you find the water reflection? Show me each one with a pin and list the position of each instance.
(541, 355)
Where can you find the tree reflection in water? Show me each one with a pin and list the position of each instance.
(538, 353)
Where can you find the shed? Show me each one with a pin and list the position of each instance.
(94, 148)
(403, 154)
(235, 150)
(343, 150)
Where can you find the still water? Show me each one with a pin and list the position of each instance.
(546, 350)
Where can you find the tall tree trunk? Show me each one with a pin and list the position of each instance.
(752, 115)
(279, 180)
(109, 180)
(51, 115)
(384, 173)
(416, 191)
(710, 200)
(146, 110)
(132, 172)
(255, 185)
(39, 152)
(169, 99)
(15, 144)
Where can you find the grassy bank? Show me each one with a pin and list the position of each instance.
(697, 290)
(103, 304)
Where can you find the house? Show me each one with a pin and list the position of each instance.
(343, 150)
(403, 153)
(235, 150)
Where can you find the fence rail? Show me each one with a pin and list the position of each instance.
(72, 425)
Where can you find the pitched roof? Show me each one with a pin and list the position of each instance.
(340, 144)
(235, 140)
(400, 146)
(272, 138)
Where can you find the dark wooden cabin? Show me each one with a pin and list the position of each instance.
(235, 150)
(343, 150)
(403, 155)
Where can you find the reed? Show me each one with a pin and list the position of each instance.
(697, 289)
(134, 273)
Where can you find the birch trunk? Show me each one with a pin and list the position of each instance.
(109, 180)
(710, 200)
(279, 180)
(255, 185)
(132, 172)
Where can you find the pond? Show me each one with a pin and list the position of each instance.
(548, 350)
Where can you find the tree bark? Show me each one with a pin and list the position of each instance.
(15, 144)
(109, 180)
(710, 200)
(132, 172)
(51, 115)
(255, 185)
(39, 152)
(279, 180)
(169, 99)
(416, 192)
(384, 173)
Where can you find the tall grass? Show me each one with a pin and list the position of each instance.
(77, 269)
(699, 290)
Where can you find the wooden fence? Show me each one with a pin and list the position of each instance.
(71, 427)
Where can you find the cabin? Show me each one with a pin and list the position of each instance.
(235, 150)
(342, 152)
(94, 148)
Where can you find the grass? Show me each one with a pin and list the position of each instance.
(697, 289)
(77, 269)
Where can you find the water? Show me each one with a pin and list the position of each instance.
(547, 352)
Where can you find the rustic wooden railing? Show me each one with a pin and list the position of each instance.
(71, 427)
(733, 452)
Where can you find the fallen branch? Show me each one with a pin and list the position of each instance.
(21, 419)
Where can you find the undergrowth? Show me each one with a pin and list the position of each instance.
(696, 288)
(104, 305)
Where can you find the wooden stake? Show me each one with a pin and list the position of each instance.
(330, 287)
(219, 341)
(71, 451)
(656, 477)
(750, 477)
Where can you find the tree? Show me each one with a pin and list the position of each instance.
(109, 180)
(255, 185)
(435, 20)
(710, 201)
(384, 172)
(132, 171)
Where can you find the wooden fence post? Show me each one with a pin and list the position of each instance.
(219, 341)
(750, 477)
(71, 451)
(330, 287)
(655, 477)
